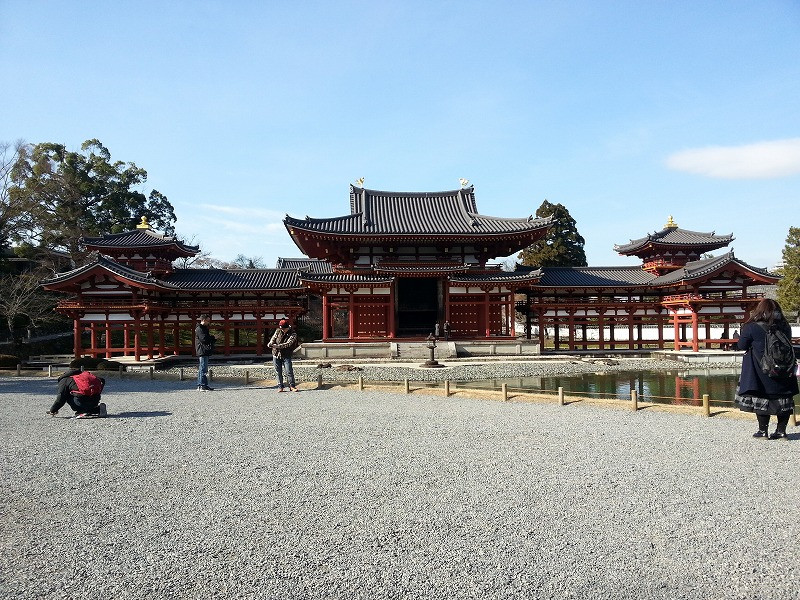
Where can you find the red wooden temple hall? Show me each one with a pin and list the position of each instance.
(404, 261)
(135, 303)
(394, 267)
(678, 286)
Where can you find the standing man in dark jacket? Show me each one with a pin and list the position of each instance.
(204, 347)
(758, 392)
(283, 342)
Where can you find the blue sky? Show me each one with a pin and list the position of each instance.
(625, 112)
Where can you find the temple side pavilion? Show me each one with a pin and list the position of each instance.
(135, 303)
(675, 287)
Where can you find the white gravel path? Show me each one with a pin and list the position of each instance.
(336, 493)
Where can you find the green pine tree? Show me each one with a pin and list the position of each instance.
(789, 286)
(561, 247)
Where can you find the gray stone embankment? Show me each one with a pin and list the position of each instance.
(454, 370)
(334, 494)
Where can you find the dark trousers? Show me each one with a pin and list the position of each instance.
(783, 421)
(80, 404)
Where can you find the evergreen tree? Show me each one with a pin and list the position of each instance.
(75, 194)
(789, 286)
(561, 247)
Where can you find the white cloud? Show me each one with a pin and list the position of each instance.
(763, 160)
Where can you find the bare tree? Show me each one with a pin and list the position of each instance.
(24, 304)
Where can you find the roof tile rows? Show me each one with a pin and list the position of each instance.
(675, 236)
(415, 213)
(137, 238)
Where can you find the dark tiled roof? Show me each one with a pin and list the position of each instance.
(98, 260)
(498, 277)
(675, 236)
(701, 268)
(594, 277)
(234, 279)
(344, 278)
(420, 267)
(413, 213)
(312, 265)
(138, 238)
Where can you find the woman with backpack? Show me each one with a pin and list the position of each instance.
(768, 381)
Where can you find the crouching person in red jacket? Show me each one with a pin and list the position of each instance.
(81, 390)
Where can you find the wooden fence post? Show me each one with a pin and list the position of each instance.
(446, 388)
(151, 372)
(361, 382)
(246, 377)
(408, 390)
(19, 369)
(635, 400)
(505, 392)
(49, 370)
(561, 396)
(319, 381)
(180, 374)
(210, 375)
(706, 405)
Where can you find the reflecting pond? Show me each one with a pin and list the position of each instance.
(669, 387)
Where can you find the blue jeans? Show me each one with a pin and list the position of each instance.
(202, 372)
(280, 364)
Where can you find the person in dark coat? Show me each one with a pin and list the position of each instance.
(203, 347)
(82, 405)
(283, 343)
(758, 392)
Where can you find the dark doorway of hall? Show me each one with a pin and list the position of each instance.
(418, 302)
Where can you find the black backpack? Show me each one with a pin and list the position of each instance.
(778, 361)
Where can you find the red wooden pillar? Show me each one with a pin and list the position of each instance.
(93, 339)
(126, 338)
(108, 338)
(137, 342)
(390, 310)
(150, 338)
(259, 335)
(601, 329)
(695, 340)
(176, 341)
(326, 317)
(227, 334)
(76, 334)
(162, 351)
(571, 325)
(487, 323)
(541, 329)
(351, 318)
(677, 330)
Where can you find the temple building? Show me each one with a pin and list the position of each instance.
(400, 266)
(403, 262)
(677, 286)
(135, 303)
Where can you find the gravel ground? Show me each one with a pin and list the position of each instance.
(334, 493)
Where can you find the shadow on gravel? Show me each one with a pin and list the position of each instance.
(139, 414)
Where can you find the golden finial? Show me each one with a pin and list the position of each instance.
(144, 224)
(464, 182)
(671, 224)
(360, 182)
